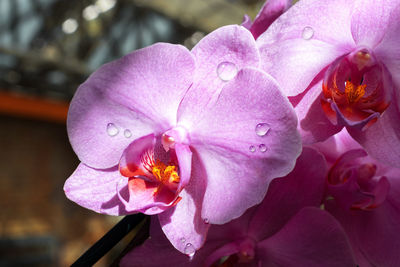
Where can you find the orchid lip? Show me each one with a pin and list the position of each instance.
(153, 173)
(355, 90)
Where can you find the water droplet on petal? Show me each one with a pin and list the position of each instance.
(227, 71)
(183, 240)
(127, 133)
(206, 221)
(262, 148)
(307, 33)
(112, 130)
(262, 129)
(252, 148)
(189, 250)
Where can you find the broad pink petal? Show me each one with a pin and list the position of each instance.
(313, 126)
(382, 139)
(158, 251)
(304, 186)
(388, 51)
(295, 62)
(183, 224)
(139, 93)
(219, 56)
(375, 234)
(238, 156)
(269, 12)
(370, 20)
(304, 40)
(311, 238)
(97, 189)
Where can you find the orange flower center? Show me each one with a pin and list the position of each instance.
(354, 93)
(165, 173)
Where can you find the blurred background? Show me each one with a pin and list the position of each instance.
(47, 48)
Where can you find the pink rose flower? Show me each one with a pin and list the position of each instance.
(339, 62)
(193, 136)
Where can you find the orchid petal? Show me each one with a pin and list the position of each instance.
(304, 40)
(304, 186)
(184, 155)
(313, 126)
(219, 56)
(269, 12)
(246, 22)
(183, 224)
(244, 160)
(156, 251)
(139, 93)
(382, 139)
(311, 238)
(388, 51)
(337, 145)
(96, 189)
(294, 63)
(369, 21)
(142, 197)
(130, 163)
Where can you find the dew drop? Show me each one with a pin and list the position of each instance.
(127, 133)
(227, 71)
(189, 250)
(183, 240)
(206, 221)
(154, 209)
(307, 33)
(112, 130)
(262, 129)
(262, 148)
(252, 148)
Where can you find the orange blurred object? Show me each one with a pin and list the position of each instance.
(33, 107)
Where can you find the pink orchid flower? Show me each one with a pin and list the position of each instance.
(339, 62)
(284, 230)
(363, 195)
(193, 136)
(269, 12)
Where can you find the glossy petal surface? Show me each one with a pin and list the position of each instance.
(242, 161)
(219, 57)
(139, 92)
(302, 42)
(310, 238)
(97, 189)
